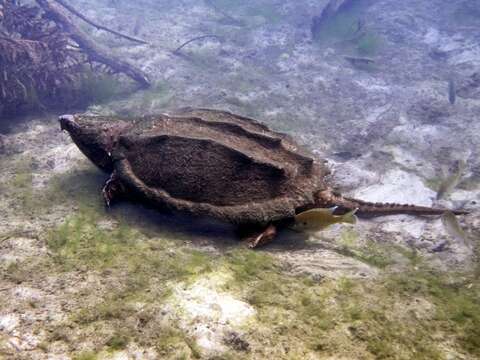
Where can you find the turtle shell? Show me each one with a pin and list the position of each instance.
(215, 163)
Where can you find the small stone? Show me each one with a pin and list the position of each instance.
(235, 341)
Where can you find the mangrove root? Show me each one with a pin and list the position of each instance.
(94, 53)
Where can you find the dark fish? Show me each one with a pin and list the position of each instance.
(346, 155)
(359, 61)
(452, 94)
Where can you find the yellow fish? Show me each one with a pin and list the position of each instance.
(453, 228)
(321, 218)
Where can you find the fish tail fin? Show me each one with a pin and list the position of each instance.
(328, 197)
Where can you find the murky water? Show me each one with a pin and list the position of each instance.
(387, 92)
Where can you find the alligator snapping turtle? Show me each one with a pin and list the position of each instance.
(214, 163)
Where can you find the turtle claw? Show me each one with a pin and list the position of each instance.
(107, 193)
(112, 188)
(262, 238)
(106, 197)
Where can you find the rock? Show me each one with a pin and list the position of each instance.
(236, 342)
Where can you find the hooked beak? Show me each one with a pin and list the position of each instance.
(67, 122)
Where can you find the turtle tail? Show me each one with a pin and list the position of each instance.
(328, 198)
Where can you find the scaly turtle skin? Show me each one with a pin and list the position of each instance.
(213, 163)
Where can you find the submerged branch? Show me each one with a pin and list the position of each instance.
(177, 50)
(98, 26)
(55, 13)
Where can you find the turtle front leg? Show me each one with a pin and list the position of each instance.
(262, 238)
(112, 189)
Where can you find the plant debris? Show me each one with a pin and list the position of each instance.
(43, 57)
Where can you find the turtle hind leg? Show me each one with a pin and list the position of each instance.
(113, 189)
(263, 237)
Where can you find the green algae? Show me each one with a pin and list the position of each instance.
(158, 96)
(456, 298)
(374, 254)
(24, 270)
(148, 101)
(141, 269)
(399, 315)
(81, 240)
(15, 273)
(377, 316)
(22, 182)
(320, 317)
(86, 355)
(100, 88)
(80, 186)
(369, 252)
(118, 341)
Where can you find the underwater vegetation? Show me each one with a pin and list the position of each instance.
(89, 283)
(40, 69)
(143, 269)
(79, 185)
(95, 88)
(397, 315)
(296, 315)
(33, 60)
(23, 182)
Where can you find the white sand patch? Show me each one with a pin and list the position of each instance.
(28, 293)
(432, 36)
(207, 312)
(133, 351)
(399, 187)
(408, 226)
(8, 322)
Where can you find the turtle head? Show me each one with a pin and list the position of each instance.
(94, 136)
